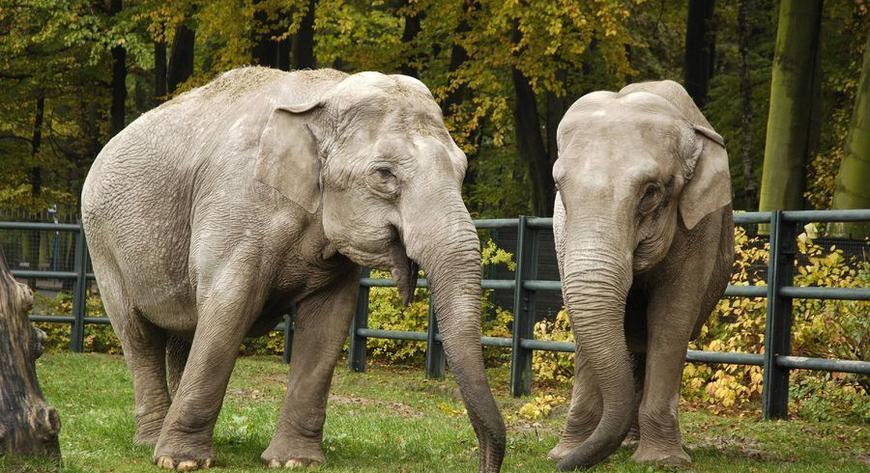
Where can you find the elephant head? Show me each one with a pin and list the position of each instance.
(633, 167)
(372, 157)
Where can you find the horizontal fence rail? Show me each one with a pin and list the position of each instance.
(776, 361)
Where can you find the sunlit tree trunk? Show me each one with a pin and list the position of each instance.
(852, 186)
(791, 101)
(28, 426)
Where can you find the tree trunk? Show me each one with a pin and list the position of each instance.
(530, 143)
(302, 56)
(267, 51)
(28, 426)
(458, 56)
(160, 72)
(181, 62)
(35, 143)
(700, 45)
(750, 187)
(852, 190)
(409, 34)
(791, 101)
(556, 108)
(119, 81)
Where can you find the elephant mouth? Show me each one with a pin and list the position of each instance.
(404, 272)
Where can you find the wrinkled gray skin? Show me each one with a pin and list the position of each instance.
(644, 240)
(209, 216)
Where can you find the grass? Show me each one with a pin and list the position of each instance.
(394, 420)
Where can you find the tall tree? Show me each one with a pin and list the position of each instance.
(750, 187)
(409, 35)
(791, 96)
(700, 49)
(458, 56)
(530, 143)
(36, 143)
(270, 48)
(852, 190)
(119, 79)
(181, 61)
(160, 89)
(302, 55)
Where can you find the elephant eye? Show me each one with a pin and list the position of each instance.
(385, 173)
(383, 181)
(651, 198)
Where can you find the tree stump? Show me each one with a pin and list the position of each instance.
(28, 426)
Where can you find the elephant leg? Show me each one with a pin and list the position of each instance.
(225, 313)
(177, 350)
(633, 437)
(144, 346)
(669, 329)
(585, 411)
(321, 326)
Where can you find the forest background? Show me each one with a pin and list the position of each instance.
(74, 72)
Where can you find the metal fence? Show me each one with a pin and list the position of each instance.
(776, 361)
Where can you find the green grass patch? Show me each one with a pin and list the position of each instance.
(391, 419)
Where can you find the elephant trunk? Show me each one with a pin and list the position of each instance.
(597, 278)
(448, 249)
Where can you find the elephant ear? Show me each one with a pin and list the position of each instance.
(288, 159)
(708, 186)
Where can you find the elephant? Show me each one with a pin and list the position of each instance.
(644, 242)
(212, 215)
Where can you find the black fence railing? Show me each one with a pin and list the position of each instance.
(776, 361)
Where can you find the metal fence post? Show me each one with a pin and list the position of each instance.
(288, 334)
(356, 359)
(434, 348)
(777, 332)
(80, 294)
(524, 309)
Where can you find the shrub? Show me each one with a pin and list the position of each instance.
(98, 338)
(821, 328)
(550, 366)
(387, 312)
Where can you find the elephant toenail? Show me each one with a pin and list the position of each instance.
(166, 462)
(188, 465)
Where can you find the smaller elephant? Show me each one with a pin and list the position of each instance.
(644, 239)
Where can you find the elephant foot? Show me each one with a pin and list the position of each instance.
(292, 463)
(562, 448)
(292, 456)
(665, 457)
(167, 462)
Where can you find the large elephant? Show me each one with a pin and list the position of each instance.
(644, 239)
(210, 215)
